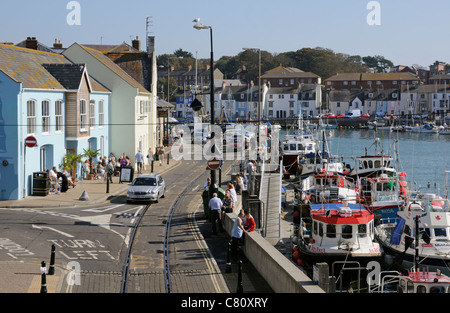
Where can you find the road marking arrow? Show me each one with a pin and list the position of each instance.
(55, 230)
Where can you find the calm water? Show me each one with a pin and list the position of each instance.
(424, 157)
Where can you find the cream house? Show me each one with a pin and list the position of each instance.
(132, 108)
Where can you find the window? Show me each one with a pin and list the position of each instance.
(362, 230)
(83, 116)
(331, 231)
(31, 117)
(92, 113)
(58, 116)
(45, 116)
(101, 114)
(347, 231)
(440, 232)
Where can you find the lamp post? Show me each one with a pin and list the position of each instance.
(200, 26)
(259, 90)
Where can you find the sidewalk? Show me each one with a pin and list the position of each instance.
(95, 192)
(25, 277)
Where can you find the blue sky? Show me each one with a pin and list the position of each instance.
(411, 32)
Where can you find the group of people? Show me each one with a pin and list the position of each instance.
(59, 181)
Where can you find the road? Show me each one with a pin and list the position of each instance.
(94, 240)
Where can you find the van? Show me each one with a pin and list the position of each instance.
(353, 113)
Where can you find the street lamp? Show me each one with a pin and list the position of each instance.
(199, 26)
(259, 89)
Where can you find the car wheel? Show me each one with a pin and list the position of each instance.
(164, 193)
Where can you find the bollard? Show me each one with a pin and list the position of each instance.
(240, 288)
(168, 158)
(107, 183)
(152, 166)
(43, 278)
(51, 270)
(228, 266)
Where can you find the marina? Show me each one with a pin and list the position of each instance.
(395, 176)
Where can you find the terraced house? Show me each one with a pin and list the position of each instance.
(46, 96)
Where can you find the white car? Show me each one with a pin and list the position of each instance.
(146, 188)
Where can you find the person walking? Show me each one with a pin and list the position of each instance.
(236, 233)
(139, 159)
(150, 156)
(161, 155)
(215, 205)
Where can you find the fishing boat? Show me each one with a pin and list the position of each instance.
(373, 165)
(383, 195)
(426, 128)
(378, 124)
(415, 280)
(433, 213)
(444, 130)
(328, 187)
(294, 148)
(338, 232)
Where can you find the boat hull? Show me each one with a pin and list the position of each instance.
(290, 162)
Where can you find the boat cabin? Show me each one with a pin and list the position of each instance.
(294, 147)
(373, 165)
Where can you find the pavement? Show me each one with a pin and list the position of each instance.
(25, 277)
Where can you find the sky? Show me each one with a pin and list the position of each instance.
(406, 32)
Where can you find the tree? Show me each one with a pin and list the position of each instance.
(70, 161)
(378, 62)
(180, 53)
(90, 154)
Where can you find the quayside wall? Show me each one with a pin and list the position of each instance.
(280, 273)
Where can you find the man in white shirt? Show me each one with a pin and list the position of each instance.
(52, 173)
(215, 204)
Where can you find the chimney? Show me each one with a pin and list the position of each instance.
(136, 44)
(31, 43)
(150, 44)
(57, 44)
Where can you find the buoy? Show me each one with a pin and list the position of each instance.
(300, 262)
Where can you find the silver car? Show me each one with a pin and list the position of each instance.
(146, 188)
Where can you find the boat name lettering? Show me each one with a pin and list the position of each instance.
(317, 249)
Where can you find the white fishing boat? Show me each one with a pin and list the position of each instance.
(383, 196)
(415, 280)
(294, 148)
(433, 246)
(425, 128)
(328, 187)
(378, 124)
(338, 232)
(444, 130)
(373, 165)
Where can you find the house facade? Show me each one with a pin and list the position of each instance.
(370, 81)
(45, 96)
(133, 109)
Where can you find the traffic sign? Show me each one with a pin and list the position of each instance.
(214, 164)
(30, 142)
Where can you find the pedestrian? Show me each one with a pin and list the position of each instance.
(64, 181)
(227, 206)
(207, 183)
(237, 232)
(249, 223)
(150, 156)
(239, 184)
(139, 159)
(232, 192)
(161, 155)
(215, 205)
(110, 171)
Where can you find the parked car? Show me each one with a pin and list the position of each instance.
(342, 115)
(365, 115)
(146, 188)
(330, 115)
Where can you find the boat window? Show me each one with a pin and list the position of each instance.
(410, 287)
(362, 230)
(315, 228)
(292, 147)
(370, 164)
(437, 289)
(364, 164)
(320, 229)
(440, 232)
(347, 231)
(286, 147)
(300, 147)
(407, 230)
(421, 289)
(377, 163)
(331, 231)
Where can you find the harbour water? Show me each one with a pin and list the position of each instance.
(423, 156)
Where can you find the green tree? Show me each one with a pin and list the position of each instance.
(378, 62)
(90, 154)
(180, 53)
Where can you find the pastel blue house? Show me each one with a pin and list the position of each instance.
(46, 96)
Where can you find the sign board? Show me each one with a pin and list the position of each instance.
(30, 142)
(126, 174)
(214, 164)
